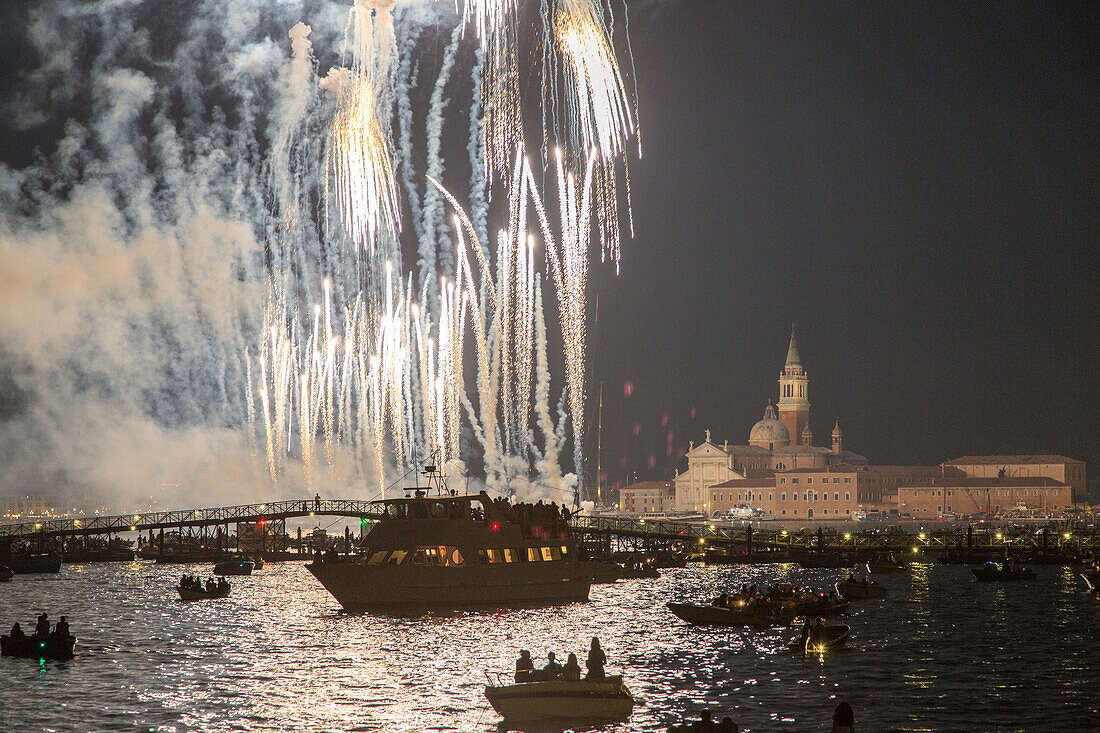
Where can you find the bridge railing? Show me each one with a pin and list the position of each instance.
(210, 516)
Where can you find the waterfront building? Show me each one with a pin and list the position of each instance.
(782, 473)
(29, 504)
(1060, 468)
(648, 497)
(780, 441)
(953, 496)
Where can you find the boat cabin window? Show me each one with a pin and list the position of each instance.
(438, 510)
(439, 555)
(565, 551)
(396, 557)
(510, 555)
(491, 556)
(533, 554)
(377, 557)
(547, 555)
(395, 511)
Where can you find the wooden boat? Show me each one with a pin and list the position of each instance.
(191, 594)
(38, 647)
(234, 567)
(27, 564)
(857, 590)
(747, 615)
(608, 699)
(6, 573)
(1002, 571)
(836, 634)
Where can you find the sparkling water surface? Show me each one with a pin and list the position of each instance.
(940, 653)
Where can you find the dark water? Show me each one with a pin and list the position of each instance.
(940, 653)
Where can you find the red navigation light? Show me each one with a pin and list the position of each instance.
(261, 522)
(496, 526)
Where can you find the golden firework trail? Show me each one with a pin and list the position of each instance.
(360, 148)
(597, 110)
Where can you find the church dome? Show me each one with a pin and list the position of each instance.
(769, 433)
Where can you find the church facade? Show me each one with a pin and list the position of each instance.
(780, 441)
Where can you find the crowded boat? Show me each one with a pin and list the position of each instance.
(559, 691)
(44, 643)
(191, 588)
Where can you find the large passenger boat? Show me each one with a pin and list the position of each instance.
(448, 552)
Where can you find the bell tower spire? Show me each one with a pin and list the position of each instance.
(794, 394)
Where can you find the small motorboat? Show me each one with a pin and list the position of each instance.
(197, 594)
(884, 564)
(27, 564)
(38, 647)
(836, 637)
(234, 567)
(740, 615)
(6, 573)
(858, 590)
(1089, 585)
(258, 563)
(607, 699)
(1002, 571)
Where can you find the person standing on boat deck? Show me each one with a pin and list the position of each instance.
(572, 669)
(43, 626)
(844, 719)
(727, 725)
(552, 668)
(595, 662)
(17, 632)
(524, 666)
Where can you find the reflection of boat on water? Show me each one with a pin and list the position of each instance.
(836, 636)
(607, 699)
(38, 647)
(443, 552)
(1002, 571)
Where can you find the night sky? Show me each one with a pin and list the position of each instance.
(914, 184)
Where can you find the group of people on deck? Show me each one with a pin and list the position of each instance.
(571, 670)
(42, 629)
(192, 582)
(539, 520)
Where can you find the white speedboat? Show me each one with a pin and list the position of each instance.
(607, 699)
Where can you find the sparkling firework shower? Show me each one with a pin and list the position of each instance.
(360, 149)
(373, 374)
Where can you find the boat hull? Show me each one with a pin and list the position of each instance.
(32, 647)
(383, 588)
(27, 564)
(234, 567)
(837, 636)
(559, 699)
(190, 594)
(719, 616)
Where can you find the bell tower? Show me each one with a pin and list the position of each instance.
(794, 393)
